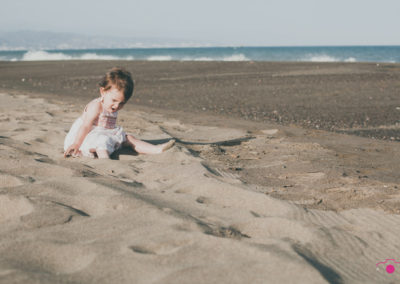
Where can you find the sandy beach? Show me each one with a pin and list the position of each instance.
(264, 185)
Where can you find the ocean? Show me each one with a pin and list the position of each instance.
(388, 54)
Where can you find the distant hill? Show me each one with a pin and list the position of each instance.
(27, 40)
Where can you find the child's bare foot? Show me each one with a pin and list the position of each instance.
(167, 145)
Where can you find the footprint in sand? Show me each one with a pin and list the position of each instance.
(255, 214)
(13, 207)
(203, 200)
(48, 213)
(183, 191)
(160, 248)
(9, 181)
(20, 129)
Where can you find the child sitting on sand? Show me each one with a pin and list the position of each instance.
(95, 132)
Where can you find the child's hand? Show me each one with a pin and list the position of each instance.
(73, 151)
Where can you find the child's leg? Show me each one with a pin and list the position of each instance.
(143, 147)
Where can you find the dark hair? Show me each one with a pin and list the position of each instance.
(121, 79)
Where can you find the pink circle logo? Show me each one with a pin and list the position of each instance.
(388, 264)
(390, 269)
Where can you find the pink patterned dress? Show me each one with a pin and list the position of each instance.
(105, 134)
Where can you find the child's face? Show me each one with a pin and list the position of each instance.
(113, 99)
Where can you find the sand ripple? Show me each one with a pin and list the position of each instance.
(176, 217)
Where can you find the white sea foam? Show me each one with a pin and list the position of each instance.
(322, 58)
(351, 59)
(236, 57)
(198, 59)
(327, 58)
(94, 56)
(159, 58)
(44, 55)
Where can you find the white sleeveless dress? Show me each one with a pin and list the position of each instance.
(105, 134)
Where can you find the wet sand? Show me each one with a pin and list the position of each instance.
(241, 197)
(357, 98)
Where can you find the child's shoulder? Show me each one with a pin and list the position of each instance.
(94, 106)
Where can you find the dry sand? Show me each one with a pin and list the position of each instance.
(233, 202)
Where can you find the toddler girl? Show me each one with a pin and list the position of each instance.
(95, 132)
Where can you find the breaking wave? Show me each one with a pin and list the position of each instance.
(50, 56)
(390, 54)
(327, 58)
(44, 55)
(160, 58)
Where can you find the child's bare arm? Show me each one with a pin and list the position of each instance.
(92, 112)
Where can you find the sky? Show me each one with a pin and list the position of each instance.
(218, 22)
